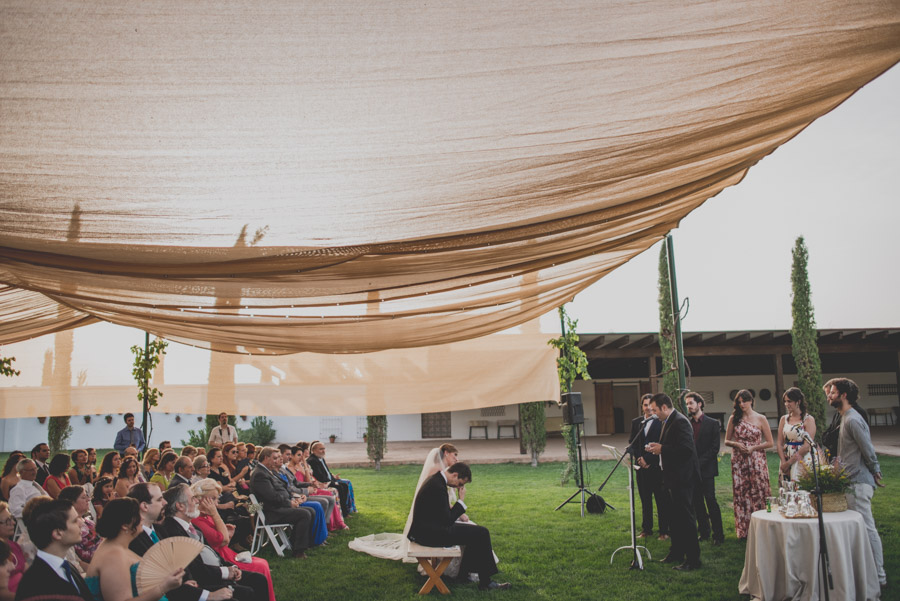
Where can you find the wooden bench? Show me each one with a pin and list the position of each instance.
(434, 560)
(478, 424)
(508, 423)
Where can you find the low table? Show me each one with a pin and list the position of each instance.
(434, 560)
(782, 559)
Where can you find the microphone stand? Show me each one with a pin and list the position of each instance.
(637, 562)
(824, 561)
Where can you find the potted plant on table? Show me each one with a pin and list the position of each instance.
(834, 483)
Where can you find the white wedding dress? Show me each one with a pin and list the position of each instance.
(390, 545)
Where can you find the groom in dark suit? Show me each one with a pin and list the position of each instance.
(54, 527)
(646, 429)
(434, 525)
(681, 473)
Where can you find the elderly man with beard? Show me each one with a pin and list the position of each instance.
(857, 455)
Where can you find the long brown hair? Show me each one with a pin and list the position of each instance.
(738, 414)
(226, 457)
(796, 395)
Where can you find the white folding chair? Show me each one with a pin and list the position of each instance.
(265, 533)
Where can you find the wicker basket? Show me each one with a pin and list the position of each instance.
(834, 501)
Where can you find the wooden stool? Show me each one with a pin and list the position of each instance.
(507, 423)
(434, 560)
(478, 423)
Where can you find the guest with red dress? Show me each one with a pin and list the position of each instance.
(16, 555)
(748, 434)
(218, 534)
(58, 478)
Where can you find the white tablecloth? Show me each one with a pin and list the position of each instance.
(782, 560)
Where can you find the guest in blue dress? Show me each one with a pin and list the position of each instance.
(112, 573)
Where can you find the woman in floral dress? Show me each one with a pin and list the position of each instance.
(748, 434)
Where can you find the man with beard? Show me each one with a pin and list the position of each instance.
(857, 455)
(152, 504)
(706, 441)
(681, 473)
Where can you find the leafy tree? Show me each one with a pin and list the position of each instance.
(6, 368)
(667, 333)
(804, 337)
(534, 429)
(376, 439)
(571, 363)
(144, 364)
(261, 431)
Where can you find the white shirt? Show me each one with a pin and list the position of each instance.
(56, 563)
(222, 434)
(205, 555)
(21, 493)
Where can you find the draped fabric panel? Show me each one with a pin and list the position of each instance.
(284, 176)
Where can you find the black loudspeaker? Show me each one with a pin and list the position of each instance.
(572, 409)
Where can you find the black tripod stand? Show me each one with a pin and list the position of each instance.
(579, 475)
(824, 561)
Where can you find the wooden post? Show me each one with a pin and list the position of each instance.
(779, 384)
(652, 371)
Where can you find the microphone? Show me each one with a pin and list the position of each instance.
(807, 438)
(647, 419)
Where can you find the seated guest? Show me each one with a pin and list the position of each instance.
(208, 569)
(249, 457)
(230, 460)
(109, 467)
(434, 524)
(315, 490)
(218, 471)
(104, 492)
(189, 451)
(92, 462)
(165, 469)
(59, 477)
(317, 504)
(40, 454)
(321, 472)
(6, 568)
(152, 505)
(218, 534)
(148, 465)
(112, 575)
(128, 476)
(54, 527)
(184, 471)
(10, 476)
(201, 468)
(165, 446)
(16, 555)
(89, 537)
(26, 489)
(278, 503)
(79, 473)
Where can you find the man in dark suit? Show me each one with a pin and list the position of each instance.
(646, 429)
(434, 525)
(40, 454)
(706, 441)
(681, 473)
(210, 571)
(54, 527)
(279, 505)
(184, 470)
(152, 504)
(322, 473)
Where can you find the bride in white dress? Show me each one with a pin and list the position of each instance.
(390, 545)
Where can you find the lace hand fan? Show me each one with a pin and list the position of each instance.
(164, 559)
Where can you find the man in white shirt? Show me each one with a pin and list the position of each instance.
(222, 433)
(26, 489)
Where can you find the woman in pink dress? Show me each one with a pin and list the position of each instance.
(748, 434)
(218, 534)
(303, 473)
(16, 555)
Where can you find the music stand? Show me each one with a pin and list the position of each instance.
(637, 561)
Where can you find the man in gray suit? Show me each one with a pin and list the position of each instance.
(279, 504)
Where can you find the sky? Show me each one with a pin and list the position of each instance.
(836, 184)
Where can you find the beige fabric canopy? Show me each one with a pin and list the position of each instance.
(283, 176)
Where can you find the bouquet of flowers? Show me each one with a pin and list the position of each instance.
(833, 478)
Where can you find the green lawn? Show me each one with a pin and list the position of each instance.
(546, 554)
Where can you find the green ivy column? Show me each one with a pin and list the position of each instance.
(804, 337)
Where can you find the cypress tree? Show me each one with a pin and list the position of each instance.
(534, 429)
(667, 332)
(376, 438)
(804, 337)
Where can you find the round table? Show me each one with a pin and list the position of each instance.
(782, 559)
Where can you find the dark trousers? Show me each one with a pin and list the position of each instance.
(707, 509)
(478, 555)
(344, 492)
(649, 483)
(684, 525)
(252, 586)
(302, 520)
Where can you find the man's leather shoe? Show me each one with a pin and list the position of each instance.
(493, 586)
(670, 559)
(687, 567)
(663, 537)
(644, 534)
